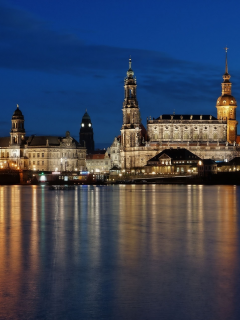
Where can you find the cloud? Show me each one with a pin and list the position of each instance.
(29, 44)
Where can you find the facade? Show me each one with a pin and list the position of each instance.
(45, 153)
(204, 135)
(207, 167)
(133, 153)
(231, 166)
(114, 152)
(99, 162)
(173, 161)
(86, 133)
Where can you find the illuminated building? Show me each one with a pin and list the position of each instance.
(99, 161)
(173, 161)
(204, 135)
(114, 152)
(45, 153)
(226, 106)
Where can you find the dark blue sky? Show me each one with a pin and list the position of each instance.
(58, 58)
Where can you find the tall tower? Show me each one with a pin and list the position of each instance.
(86, 133)
(17, 133)
(130, 132)
(226, 106)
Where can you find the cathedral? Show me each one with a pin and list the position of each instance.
(206, 136)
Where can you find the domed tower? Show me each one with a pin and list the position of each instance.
(86, 133)
(130, 132)
(17, 133)
(226, 106)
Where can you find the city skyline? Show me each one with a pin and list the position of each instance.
(55, 65)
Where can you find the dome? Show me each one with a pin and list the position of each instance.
(17, 114)
(226, 100)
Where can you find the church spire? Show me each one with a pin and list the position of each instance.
(226, 64)
(130, 63)
(226, 85)
(130, 72)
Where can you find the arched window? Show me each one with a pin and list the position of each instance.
(166, 135)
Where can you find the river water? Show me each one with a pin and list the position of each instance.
(120, 252)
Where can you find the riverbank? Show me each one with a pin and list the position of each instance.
(222, 178)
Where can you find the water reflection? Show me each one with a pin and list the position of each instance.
(119, 252)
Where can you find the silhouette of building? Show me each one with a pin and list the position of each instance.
(86, 133)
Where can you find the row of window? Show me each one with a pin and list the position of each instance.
(187, 136)
(53, 155)
(169, 162)
(33, 155)
(201, 168)
(34, 162)
(98, 163)
(3, 155)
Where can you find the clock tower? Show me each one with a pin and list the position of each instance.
(130, 132)
(86, 133)
(227, 105)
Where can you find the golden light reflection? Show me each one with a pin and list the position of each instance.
(10, 249)
(34, 239)
(168, 229)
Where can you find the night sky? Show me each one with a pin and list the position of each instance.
(59, 57)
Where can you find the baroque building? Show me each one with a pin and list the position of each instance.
(98, 162)
(206, 136)
(114, 152)
(86, 133)
(45, 153)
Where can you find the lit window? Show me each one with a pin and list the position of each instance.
(82, 124)
(89, 124)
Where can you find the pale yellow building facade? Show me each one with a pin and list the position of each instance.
(39, 153)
